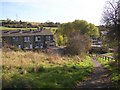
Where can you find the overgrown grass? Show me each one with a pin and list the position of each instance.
(39, 70)
(6, 28)
(112, 66)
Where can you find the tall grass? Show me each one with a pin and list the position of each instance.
(40, 70)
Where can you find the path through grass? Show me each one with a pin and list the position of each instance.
(100, 78)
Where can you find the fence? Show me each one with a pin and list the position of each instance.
(103, 56)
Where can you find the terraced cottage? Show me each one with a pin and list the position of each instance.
(27, 39)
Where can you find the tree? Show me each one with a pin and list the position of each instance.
(66, 28)
(82, 26)
(77, 44)
(59, 40)
(111, 18)
(79, 25)
(93, 30)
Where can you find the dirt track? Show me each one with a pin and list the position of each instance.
(100, 78)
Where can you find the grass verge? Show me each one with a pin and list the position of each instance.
(112, 66)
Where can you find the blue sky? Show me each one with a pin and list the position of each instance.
(53, 10)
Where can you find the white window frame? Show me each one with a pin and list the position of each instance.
(39, 45)
(31, 46)
(36, 46)
(26, 46)
(15, 39)
(27, 39)
(19, 46)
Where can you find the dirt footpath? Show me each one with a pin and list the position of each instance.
(100, 78)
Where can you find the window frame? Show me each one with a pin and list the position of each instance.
(26, 39)
(38, 45)
(38, 38)
(48, 38)
(15, 39)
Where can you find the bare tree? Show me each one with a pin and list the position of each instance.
(77, 44)
(111, 18)
(111, 12)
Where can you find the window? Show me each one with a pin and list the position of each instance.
(38, 38)
(39, 45)
(19, 46)
(28, 46)
(26, 39)
(48, 38)
(31, 46)
(15, 39)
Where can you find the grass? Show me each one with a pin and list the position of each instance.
(52, 29)
(111, 65)
(39, 70)
(7, 28)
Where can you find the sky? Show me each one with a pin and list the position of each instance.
(53, 10)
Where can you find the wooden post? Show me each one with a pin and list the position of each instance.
(108, 58)
(105, 57)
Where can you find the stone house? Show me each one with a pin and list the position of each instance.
(27, 39)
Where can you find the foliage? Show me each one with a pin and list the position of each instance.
(77, 44)
(93, 30)
(111, 65)
(79, 25)
(66, 28)
(60, 40)
(111, 18)
(24, 24)
(37, 70)
(82, 26)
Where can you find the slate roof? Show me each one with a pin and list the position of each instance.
(25, 32)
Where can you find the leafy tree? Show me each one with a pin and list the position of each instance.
(79, 25)
(93, 30)
(82, 26)
(66, 28)
(60, 40)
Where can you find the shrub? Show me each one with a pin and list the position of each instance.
(77, 44)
